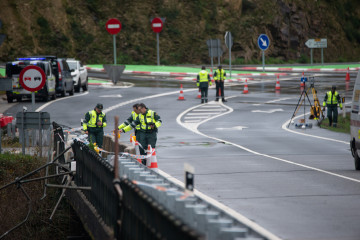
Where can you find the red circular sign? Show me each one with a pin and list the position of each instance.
(157, 25)
(113, 26)
(32, 78)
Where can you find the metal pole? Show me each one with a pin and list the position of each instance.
(33, 101)
(23, 132)
(40, 135)
(218, 50)
(263, 60)
(157, 49)
(114, 41)
(230, 53)
(116, 164)
(322, 56)
(311, 56)
(211, 54)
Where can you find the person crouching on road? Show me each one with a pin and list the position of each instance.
(94, 123)
(203, 82)
(149, 122)
(134, 114)
(331, 100)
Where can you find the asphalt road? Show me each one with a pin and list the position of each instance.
(296, 183)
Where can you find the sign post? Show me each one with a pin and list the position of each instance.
(32, 78)
(264, 43)
(113, 26)
(215, 49)
(157, 26)
(229, 44)
(189, 179)
(316, 43)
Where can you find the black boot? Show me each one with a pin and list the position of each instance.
(224, 100)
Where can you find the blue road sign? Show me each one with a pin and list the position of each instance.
(263, 42)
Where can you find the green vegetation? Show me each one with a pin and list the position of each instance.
(14, 207)
(343, 124)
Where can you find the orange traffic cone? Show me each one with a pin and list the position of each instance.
(199, 95)
(302, 82)
(137, 150)
(148, 156)
(347, 78)
(277, 86)
(154, 165)
(181, 97)
(246, 90)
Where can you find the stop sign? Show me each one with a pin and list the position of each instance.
(113, 26)
(157, 25)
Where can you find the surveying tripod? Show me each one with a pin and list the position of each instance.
(315, 111)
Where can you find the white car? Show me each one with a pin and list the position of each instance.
(79, 74)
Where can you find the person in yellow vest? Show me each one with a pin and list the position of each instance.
(219, 77)
(133, 116)
(94, 123)
(203, 82)
(149, 122)
(331, 100)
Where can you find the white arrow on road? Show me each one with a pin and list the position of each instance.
(269, 111)
(264, 43)
(113, 96)
(232, 128)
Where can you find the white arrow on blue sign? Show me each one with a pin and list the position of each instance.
(263, 42)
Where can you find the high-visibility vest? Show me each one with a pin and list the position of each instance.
(128, 121)
(203, 76)
(93, 119)
(332, 99)
(145, 121)
(220, 75)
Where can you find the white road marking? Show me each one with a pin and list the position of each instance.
(111, 96)
(59, 99)
(278, 100)
(232, 128)
(269, 111)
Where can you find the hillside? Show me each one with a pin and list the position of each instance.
(77, 29)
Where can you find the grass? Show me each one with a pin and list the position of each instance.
(343, 124)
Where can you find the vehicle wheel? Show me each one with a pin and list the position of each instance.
(10, 99)
(72, 91)
(355, 155)
(46, 98)
(77, 86)
(85, 87)
(19, 99)
(53, 97)
(63, 93)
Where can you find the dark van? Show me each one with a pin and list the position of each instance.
(61, 70)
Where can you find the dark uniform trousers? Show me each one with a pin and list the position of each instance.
(96, 134)
(219, 86)
(145, 139)
(332, 113)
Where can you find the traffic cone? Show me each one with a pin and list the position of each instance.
(199, 95)
(302, 83)
(246, 90)
(181, 97)
(347, 78)
(154, 165)
(148, 158)
(277, 86)
(137, 151)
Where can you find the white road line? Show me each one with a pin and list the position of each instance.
(59, 99)
(207, 110)
(196, 117)
(278, 100)
(211, 113)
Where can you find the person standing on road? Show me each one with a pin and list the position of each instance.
(94, 123)
(219, 77)
(331, 100)
(203, 82)
(149, 122)
(133, 116)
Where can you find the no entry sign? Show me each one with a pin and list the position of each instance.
(157, 25)
(32, 78)
(113, 26)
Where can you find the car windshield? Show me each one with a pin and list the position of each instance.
(72, 65)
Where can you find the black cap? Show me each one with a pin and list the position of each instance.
(99, 106)
(203, 68)
(333, 87)
(219, 66)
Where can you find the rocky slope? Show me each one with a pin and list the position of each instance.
(77, 29)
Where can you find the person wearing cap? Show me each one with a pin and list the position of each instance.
(149, 122)
(94, 123)
(203, 82)
(331, 101)
(219, 77)
(133, 116)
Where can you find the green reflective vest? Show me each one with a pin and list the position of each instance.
(92, 118)
(128, 121)
(203, 76)
(147, 122)
(332, 99)
(220, 75)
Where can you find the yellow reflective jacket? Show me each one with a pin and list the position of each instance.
(332, 99)
(92, 117)
(148, 122)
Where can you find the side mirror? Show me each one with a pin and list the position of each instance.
(72, 70)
